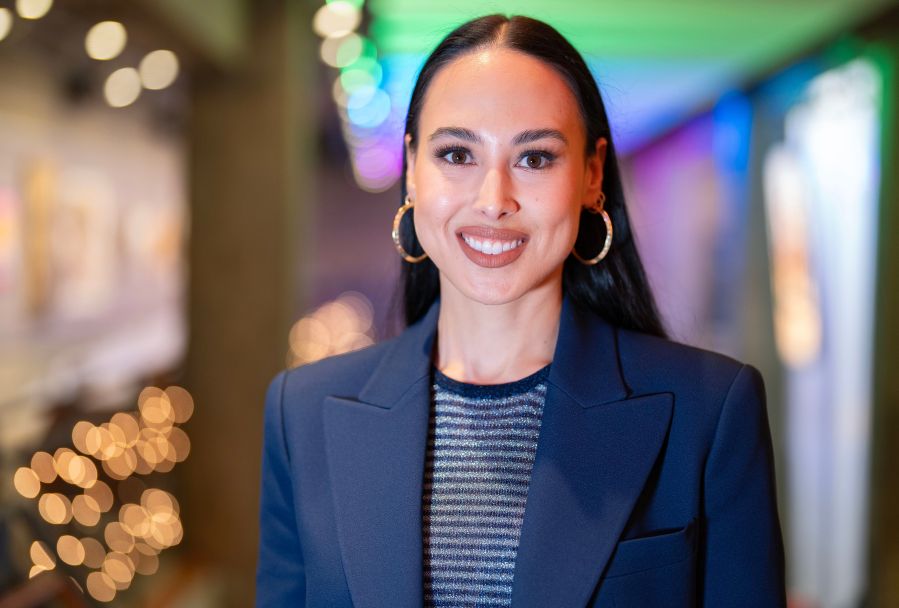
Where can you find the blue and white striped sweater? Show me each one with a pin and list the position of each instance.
(481, 446)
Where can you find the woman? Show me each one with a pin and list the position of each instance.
(531, 439)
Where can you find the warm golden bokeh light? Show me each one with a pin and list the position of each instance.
(101, 494)
(159, 501)
(122, 465)
(142, 441)
(182, 403)
(158, 69)
(79, 436)
(145, 563)
(119, 568)
(94, 552)
(41, 555)
(122, 87)
(33, 9)
(156, 411)
(135, 519)
(336, 327)
(61, 460)
(27, 482)
(55, 508)
(35, 570)
(85, 510)
(42, 463)
(117, 537)
(5, 22)
(101, 587)
(180, 444)
(70, 550)
(127, 428)
(105, 40)
(75, 469)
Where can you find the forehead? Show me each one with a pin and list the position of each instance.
(499, 90)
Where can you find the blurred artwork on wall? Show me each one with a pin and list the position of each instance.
(821, 188)
(93, 233)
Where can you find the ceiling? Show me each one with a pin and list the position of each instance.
(657, 61)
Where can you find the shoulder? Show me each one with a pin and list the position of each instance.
(343, 374)
(654, 364)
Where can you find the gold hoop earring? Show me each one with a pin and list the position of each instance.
(396, 234)
(608, 242)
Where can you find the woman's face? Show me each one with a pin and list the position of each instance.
(499, 175)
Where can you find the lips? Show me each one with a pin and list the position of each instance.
(491, 247)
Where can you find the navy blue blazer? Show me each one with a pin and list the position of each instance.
(652, 484)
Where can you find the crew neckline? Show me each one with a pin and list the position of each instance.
(514, 387)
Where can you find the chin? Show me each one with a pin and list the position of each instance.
(491, 292)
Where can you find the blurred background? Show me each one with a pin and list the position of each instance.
(194, 195)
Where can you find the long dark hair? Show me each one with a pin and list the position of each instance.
(616, 288)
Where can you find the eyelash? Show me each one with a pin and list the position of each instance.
(440, 153)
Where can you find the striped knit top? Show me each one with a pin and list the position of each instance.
(482, 440)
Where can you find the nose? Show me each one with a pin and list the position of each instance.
(495, 199)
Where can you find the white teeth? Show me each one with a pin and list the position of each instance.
(491, 247)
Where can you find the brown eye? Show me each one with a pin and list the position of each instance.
(536, 160)
(454, 156)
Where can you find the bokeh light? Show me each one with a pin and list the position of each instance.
(42, 463)
(70, 550)
(27, 482)
(101, 587)
(158, 69)
(105, 40)
(122, 87)
(94, 552)
(341, 51)
(33, 9)
(337, 18)
(5, 22)
(336, 327)
(85, 510)
(41, 555)
(144, 441)
(55, 508)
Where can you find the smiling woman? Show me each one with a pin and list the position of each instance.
(532, 438)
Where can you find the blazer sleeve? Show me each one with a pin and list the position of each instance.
(743, 555)
(280, 572)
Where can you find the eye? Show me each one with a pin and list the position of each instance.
(537, 159)
(454, 155)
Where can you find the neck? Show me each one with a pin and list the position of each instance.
(491, 344)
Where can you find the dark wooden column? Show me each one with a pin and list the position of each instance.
(251, 189)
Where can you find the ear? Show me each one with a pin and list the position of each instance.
(594, 174)
(410, 166)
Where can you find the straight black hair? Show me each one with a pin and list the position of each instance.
(616, 288)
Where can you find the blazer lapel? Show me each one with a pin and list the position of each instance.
(376, 452)
(594, 454)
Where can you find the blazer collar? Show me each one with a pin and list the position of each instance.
(585, 363)
(596, 448)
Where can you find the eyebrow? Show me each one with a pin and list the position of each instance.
(458, 132)
(525, 137)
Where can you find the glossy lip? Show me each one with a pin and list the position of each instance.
(486, 260)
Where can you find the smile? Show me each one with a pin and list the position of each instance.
(491, 247)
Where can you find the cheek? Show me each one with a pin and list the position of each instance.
(430, 220)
